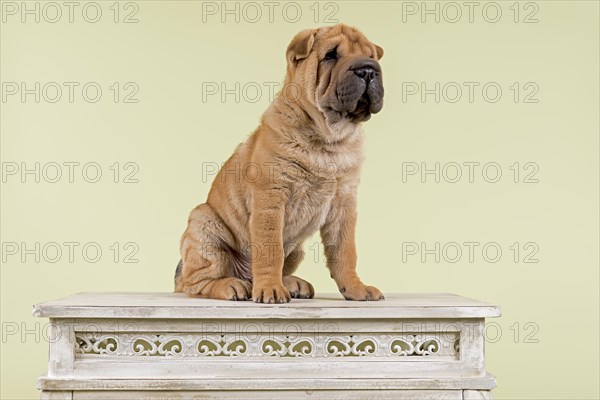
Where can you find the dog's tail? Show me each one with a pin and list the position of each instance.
(178, 271)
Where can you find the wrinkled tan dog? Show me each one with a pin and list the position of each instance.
(296, 174)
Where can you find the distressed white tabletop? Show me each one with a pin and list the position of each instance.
(175, 305)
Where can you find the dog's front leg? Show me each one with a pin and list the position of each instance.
(266, 233)
(340, 250)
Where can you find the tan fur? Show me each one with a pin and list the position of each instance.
(296, 174)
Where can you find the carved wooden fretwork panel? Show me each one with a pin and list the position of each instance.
(443, 345)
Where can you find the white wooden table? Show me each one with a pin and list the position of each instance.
(166, 345)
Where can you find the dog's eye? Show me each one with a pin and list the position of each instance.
(331, 54)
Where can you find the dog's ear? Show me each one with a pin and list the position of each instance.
(379, 51)
(300, 46)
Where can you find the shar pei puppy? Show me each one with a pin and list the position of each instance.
(297, 173)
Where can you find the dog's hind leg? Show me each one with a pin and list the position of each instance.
(298, 287)
(205, 263)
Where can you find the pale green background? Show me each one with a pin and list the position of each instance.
(170, 132)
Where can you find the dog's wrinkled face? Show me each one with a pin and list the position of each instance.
(338, 70)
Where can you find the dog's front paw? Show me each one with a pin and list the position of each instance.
(361, 292)
(272, 293)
